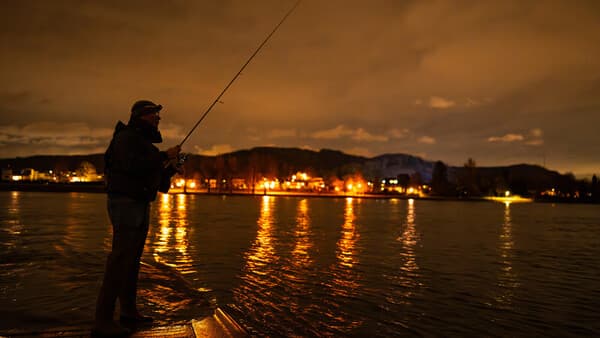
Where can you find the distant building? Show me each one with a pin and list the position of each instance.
(27, 174)
(239, 184)
(7, 174)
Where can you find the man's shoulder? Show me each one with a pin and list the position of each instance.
(126, 132)
(131, 138)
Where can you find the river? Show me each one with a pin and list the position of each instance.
(296, 266)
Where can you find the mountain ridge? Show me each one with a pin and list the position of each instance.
(284, 161)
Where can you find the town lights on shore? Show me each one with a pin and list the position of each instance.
(266, 184)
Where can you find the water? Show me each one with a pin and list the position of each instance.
(285, 266)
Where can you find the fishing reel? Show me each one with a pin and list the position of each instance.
(181, 158)
(177, 164)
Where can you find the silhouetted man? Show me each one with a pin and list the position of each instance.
(135, 170)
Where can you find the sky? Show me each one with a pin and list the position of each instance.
(501, 82)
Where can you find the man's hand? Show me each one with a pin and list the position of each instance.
(173, 153)
(172, 157)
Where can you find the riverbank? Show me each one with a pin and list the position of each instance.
(98, 187)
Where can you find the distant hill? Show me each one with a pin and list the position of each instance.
(392, 165)
(523, 179)
(326, 163)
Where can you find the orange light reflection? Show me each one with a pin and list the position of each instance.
(300, 254)
(14, 226)
(171, 245)
(346, 252)
(507, 279)
(259, 273)
(262, 252)
(409, 240)
(346, 279)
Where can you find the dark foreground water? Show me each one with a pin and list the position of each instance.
(314, 266)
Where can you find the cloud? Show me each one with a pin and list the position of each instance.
(54, 134)
(171, 131)
(534, 142)
(536, 132)
(279, 133)
(72, 137)
(398, 133)
(506, 138)
(534, 138)
(334, 133)
(216, 149)
(342, 131)
(362, 135)
(440, 102)
(427, 140)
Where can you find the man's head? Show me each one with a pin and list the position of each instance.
(146, 111)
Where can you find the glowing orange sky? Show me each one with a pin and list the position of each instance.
(503, 82)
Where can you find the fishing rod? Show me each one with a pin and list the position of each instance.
(240, 72)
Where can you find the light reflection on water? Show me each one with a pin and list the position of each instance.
(14, 227)
(346, 246)
(171, 244)
(301, 257)
(507, 278)
(346, 278)
(406, 280)
(258, 279)
(262, 253)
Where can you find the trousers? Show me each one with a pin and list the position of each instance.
(130, 222)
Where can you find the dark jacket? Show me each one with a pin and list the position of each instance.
(133, 165)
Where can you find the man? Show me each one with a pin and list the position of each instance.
(135, 170)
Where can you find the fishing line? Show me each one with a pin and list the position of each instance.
(240, 71)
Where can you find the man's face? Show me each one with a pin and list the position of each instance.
(151, 119)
